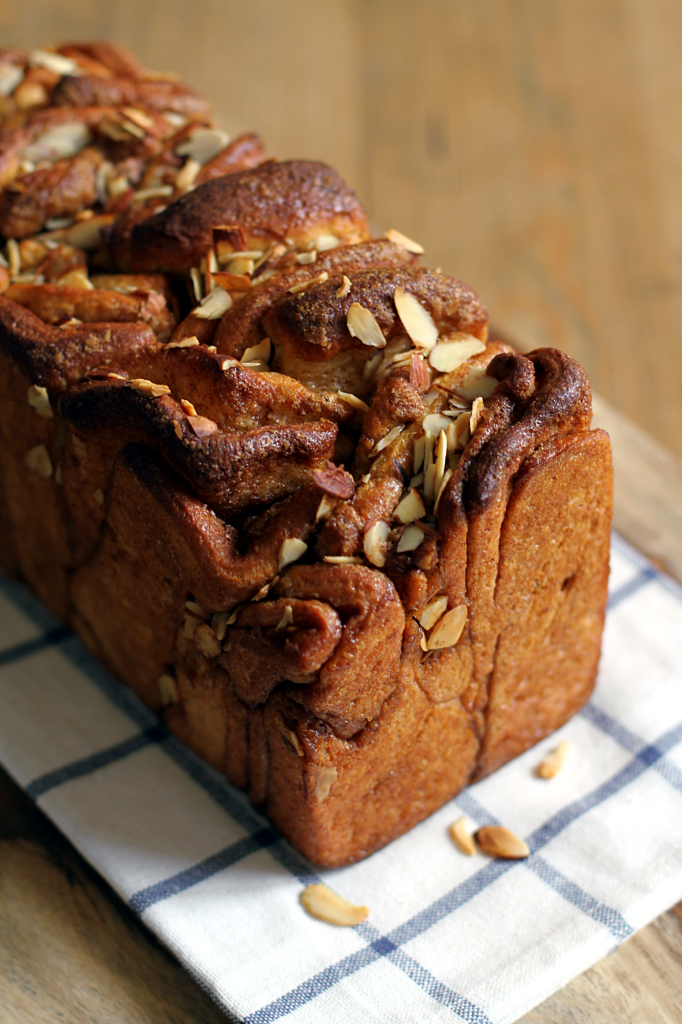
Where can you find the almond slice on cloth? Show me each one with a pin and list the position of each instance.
(326, 905)
(462, 837)
(497, 841)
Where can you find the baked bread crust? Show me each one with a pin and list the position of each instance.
(353, 559)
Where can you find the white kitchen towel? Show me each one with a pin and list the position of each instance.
(449, 937)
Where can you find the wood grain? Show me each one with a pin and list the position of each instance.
(534, 148)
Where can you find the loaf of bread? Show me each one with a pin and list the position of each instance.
(272, 470)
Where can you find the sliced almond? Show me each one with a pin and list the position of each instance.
(477, 384)
(343, 559)
(10, 77)
(206, 640)
(462, 838)
(261, 351)
(242, 266)
(499, 842)
(323, 243)
(476, 411)
(87, 234)
(553, 762)
(214, 305)
(398, 238)
(227, 364)
(448, 355)
(325, 780)
(203, 144)
(410, 508)
(429, 486)
(39, 462)
(416, 481)
(361, 324)
(168, 690)
(220, 622)
(419, 443)
(98, 495)
(434, 423)
(148, 388)
(13, 257)
(448, 629)
(345, 288)
(59, 143)
(326, 905)
(39, 400)
(353, 400)
(433, 611)
(305, 258)
(324, 508)
(410, 540)
(416, 320)
(291, 550)
(77, 278)
(195, 608)
(184, 343)
(458, 432)
(54, 62)
(441, 490)
(440, 461)
(386, 440)
(187, 174)
(287, 618)
(232, 282)
(371, 366)
(318, 279)
(375, 543)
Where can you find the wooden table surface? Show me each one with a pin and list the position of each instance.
(533, 147)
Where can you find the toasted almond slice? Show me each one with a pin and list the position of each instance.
(375, 543)
(344, 288)
(197, 283)
(419, 444)
(328, 906)
(39, 400)
(323, 243)
(148, 388)
(448, 355)
(477, 384)
(416, 320)
(54, 62)
(212, 307)
(434, 423)
(433, 611)
(353, 400)
(429, 487)
(361, 324)
(287, 618)
(325, 780)
(386, 440)
(441, 490)
(499, 842)
(39, 462)
(220, 622)
(168, 690)
(343, 559)
(462, 838)
(422, 642)
(186, 176)
(232, 282)
(196, 609)
(411, 538)
(10, 77)
(240, 267)
(304, 258)
(291, 550)
(318, 279)
(156, 191)
(476, 411)
(410, 508)
(416, 481)
(371, 366)
(228, 255)
(203, 144)
(448, 629)
(98, 495)
(324, 508)
(398, 238)
(553, 762)
(184, 342)
(77, 278)
(440, 462)
(227, 364)
(261, 351)
(13, 257)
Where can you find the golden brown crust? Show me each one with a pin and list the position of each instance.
(293, 199)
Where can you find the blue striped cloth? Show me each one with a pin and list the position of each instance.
(449, 937)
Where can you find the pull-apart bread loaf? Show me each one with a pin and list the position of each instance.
(272, 470)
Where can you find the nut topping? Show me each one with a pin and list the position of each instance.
(416, 320)
(39, 462)
(361, 324)
(39, 400)
(499, 842)
(553, 762)
(398, 238)
(462, 838)
(148, 388)
(291, 550)
(328, 906)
